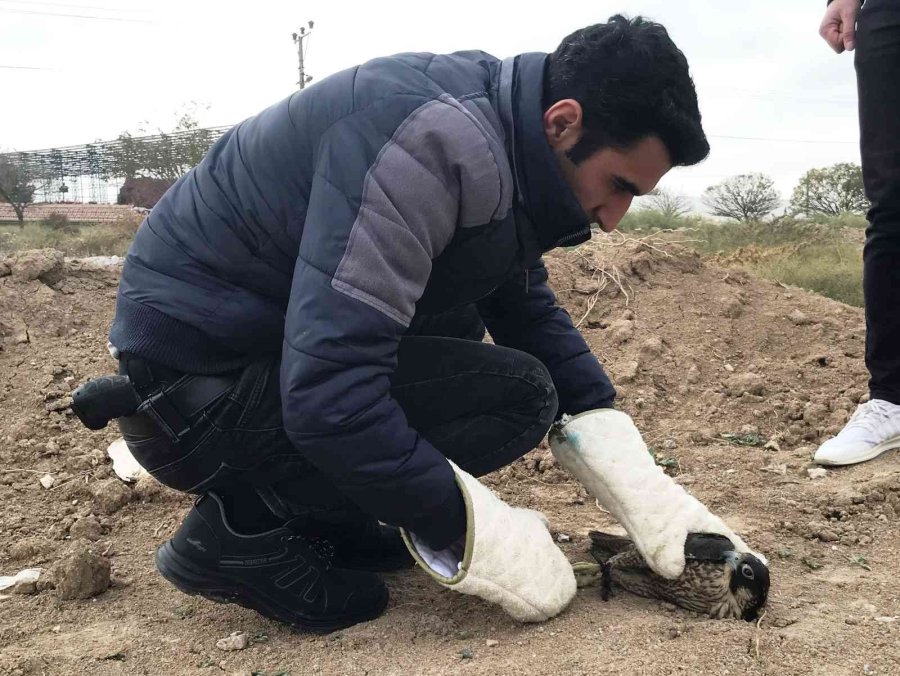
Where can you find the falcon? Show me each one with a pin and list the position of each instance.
(717, 581)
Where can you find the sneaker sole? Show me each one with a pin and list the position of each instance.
(871, 454)
(197, 581)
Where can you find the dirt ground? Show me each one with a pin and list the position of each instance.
(733, 381)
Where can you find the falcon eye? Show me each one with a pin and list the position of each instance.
(747, 571)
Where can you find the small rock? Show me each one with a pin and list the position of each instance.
(236, 640)
(642, 265)
(29, 548)
(778, 468)
(693, 375)
(111, 495)
(798, 318)
(621, 330)
(562, 537)
(814, 414)
(628, 314)
(628, 372)
(43, 264)
(772, 445)
(490, 643)
(826, 535)
(782, 622)
(852, 620)
(885, 619)
(733, 308)
(817, 473)
(81, 575)
(47, 481)
(652, 347)
(587, 287)
(24, 588)
(146, 487)
(87, 527)
(864, 607)
(741, 383)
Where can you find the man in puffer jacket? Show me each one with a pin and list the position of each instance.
(302, 316)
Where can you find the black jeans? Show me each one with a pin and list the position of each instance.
(481, 405)
(878, 80)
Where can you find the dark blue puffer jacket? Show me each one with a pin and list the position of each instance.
(323, 226)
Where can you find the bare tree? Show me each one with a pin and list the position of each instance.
(669, 204)
(833, 190)
(165, 155)
(746, 197)
(16, 186)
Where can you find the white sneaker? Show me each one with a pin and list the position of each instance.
(873, 429)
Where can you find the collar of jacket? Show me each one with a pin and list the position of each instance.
(554, 215)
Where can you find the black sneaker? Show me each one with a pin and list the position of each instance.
(280, 574)
(361, 544)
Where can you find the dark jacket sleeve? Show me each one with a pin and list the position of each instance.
(384, 204)
(525, 315)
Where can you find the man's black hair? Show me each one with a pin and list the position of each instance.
(632, 82)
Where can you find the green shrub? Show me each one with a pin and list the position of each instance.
(833, 270)
(845, 220)
(59, 222)
(33, 235)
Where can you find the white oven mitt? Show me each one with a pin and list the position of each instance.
(605, 452)
(507, 558)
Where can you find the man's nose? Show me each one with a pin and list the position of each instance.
(613, 212)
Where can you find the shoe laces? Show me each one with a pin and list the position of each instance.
(871, 415)
(322, 548)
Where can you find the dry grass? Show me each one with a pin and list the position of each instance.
(823, 254)
(84, 239)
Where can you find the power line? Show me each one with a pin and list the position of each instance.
(782, 140)
(31, 3)
(734, 92)
(74, 16)
(25, 67)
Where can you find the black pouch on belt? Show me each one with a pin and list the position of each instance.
(98, 401)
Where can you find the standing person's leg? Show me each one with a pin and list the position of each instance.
(875, 427)
(878, 73)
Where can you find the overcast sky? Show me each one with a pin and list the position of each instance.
(762, 72)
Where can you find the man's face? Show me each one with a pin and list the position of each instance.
(606, 182)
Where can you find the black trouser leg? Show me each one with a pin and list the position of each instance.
(482, 405)
(878, 77)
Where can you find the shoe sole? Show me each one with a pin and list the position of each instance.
(197, 581)
(873, 453)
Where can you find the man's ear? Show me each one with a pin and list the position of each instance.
(562, 124)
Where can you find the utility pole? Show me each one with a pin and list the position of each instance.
(304, 79)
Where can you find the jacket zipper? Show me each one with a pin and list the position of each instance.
(575, 235)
